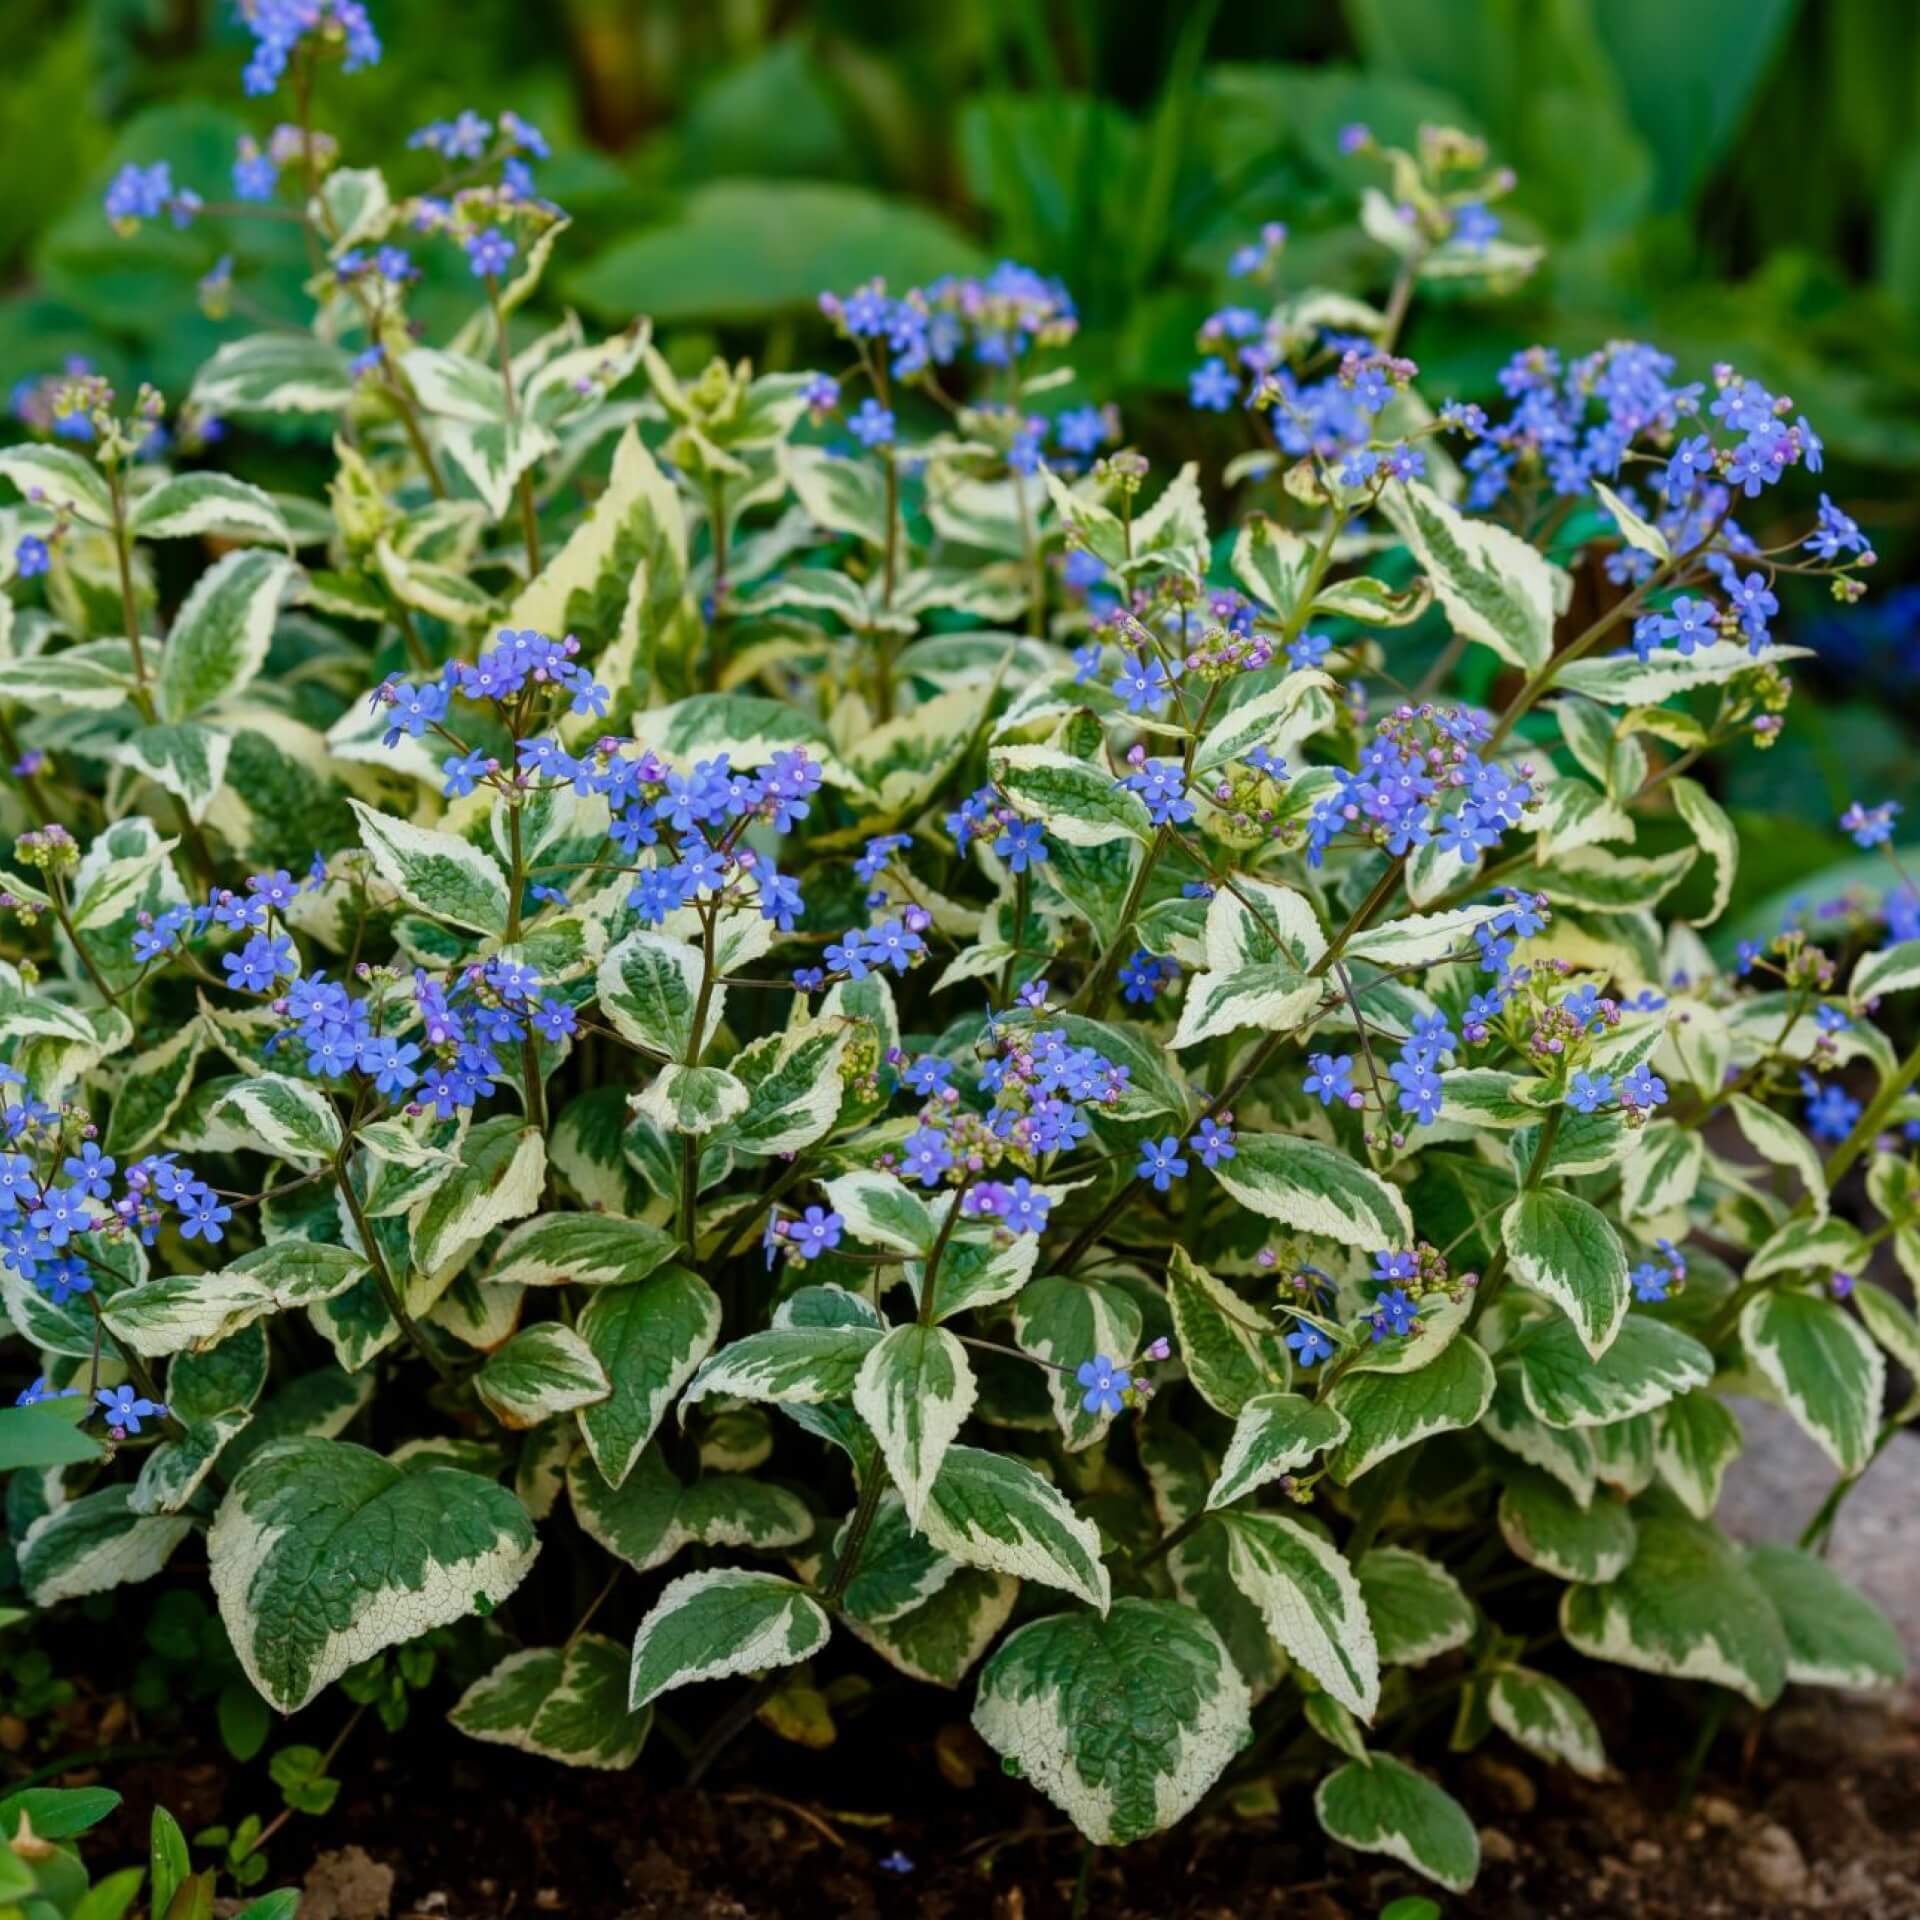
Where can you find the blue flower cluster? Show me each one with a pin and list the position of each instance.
(58, 1191)
(265, 957)
(278, 27)
(1040, 1087)
(463, 1020)
(690, 823)
(1422, 779)
(996, 319)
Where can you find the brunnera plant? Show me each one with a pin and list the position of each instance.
(659, 903)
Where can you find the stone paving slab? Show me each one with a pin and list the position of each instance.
(1779, 1481)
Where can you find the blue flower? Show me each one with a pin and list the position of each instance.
(1588, 1092)
(926, 1155)
(872, 424)
(1331, 1079)
(489, 253)
(1213, 1143)
(1420, 1091)
(1143, 975)
(1641, 1088)
(1146, 688)
(1393, 1315)
(1310, 1346)
(126, 1409)
(1161, 1163)
(1212, 386)
(1830, 1112)
(31, 556)
(1870, 826)
(1105, 1383)
(1162, 785)
(814, 1233)
(1021, 844)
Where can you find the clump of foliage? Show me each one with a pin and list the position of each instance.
(667, 901)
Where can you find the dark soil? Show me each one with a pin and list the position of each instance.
(1815, 1808)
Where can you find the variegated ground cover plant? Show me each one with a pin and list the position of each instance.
(810, 1001)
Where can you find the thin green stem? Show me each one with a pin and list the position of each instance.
(383, 1276)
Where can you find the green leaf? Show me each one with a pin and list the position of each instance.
(706, 1626)
(1777, 1140)
(1422, 938)
(1686, 1606)
(1274, 1434)
(648, 985)
(1698, 1439)
(1315, 1189)
(649, 1336)
(1123, 1722)
(989, 1510)
(786, 1366)
(1836, 1636)
(273, 372)
(1065, 1320)
(742, 250)
(884, 1211)
(1830, 1376)
(1386, 1412)
(171, 1862)
(1261, 942)
(691, 1100)
(1231, 1355)
(1074, 800)
(1547, 1527)
(1495, 587)
(57, 1813)
(1547, 1719)
(93, 1544)
(1309, 1600)
(579, 1249)
(915, 1390)
(1563, 1247)
(503, 1167)
(290, 1119)
(939, 1639)
(1381, 1806)
(187, 505)
(1648, 1363)
(1417, 1607)
(1894, 969)
(793, 1085)
(45, 1436)
(438, 873)
(541, 1371)
(563, 1703)
(220, 637)
(201, 1310)
(1272, 564)
(322, 1554)
(189, 761)
(651, 1515)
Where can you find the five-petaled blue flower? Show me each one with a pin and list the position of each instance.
(1161, 1163)
(1310, 1346)
(126, 1409)
(1105, 1384)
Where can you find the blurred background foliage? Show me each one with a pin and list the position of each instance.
(1734, 179)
